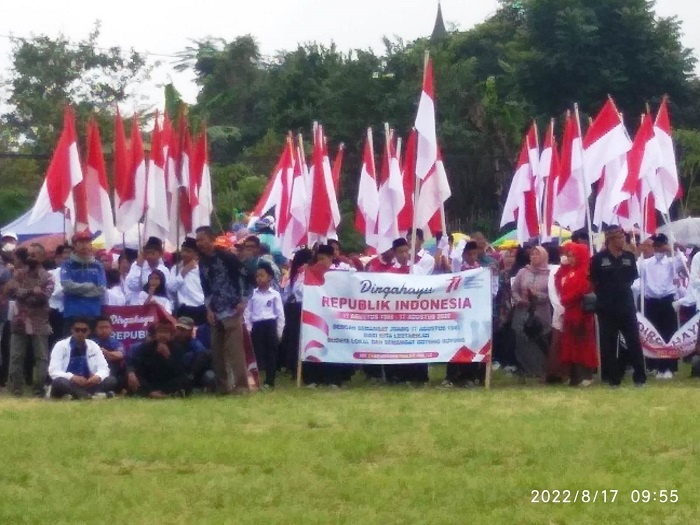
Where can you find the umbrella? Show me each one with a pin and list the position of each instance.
(50, 242)
(685, 231)
(512, 236)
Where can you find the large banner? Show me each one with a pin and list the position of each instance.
(377, 318)
(681, 344)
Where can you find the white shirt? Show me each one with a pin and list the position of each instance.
(56, 299)
(60, 358)
(425, 264)
(166, 303)
(264, 306)
(114, 296)
(658, 274)
(186, 290)
(295, 289)
(137, 278)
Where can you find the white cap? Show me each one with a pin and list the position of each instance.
(11, 235)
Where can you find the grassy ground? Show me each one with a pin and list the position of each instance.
(360, 455)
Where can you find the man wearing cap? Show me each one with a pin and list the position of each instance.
(84, 282)
(195, 356)
(9, 241)
(185, 285)
(657, 276)
(151, 258)
(613, 270)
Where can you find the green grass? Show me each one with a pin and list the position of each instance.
(360, 455)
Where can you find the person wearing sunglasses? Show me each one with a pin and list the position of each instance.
(78, 368)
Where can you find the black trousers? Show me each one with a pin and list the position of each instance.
(201, 364)
(461, 373)
(61, 387)
(5, 353)
(56, 322)
(613, 362)
(265, 343)
(197, 313)
(661, 314)
(289, 345)
(171, 385)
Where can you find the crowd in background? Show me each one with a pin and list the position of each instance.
(216, 289)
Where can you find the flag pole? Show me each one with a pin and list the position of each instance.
(416, 189)
(584, 184)
(545, 205)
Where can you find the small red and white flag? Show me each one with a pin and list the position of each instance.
(427, 146)
(368, 196)
(63, 175)
(570, 203)
(99, 207)
(667, 186)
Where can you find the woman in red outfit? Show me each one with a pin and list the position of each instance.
(578, 345)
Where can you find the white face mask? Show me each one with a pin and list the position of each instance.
(9, 247)
(564, 260)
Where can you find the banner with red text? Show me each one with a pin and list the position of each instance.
(130, 323)
(377, 318)
(681, 344)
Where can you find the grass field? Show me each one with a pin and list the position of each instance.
(361, 455)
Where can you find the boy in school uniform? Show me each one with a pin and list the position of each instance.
(264, 318)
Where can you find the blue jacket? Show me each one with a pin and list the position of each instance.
(84, 283)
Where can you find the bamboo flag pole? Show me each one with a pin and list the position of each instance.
(545, 206)
(586, 186)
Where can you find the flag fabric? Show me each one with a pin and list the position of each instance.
(434, 191)
(409, 181)
(332, 232)
(368, 196)
(63, 175)
(549, 175)
(99, 207)
(157, 219)
(667, 186)
(644, 161)
(427, 146)
(606, 141)
(391, 197)
(570, 204)
(272, 196)
(201, 190)
(337, 168)
(295, 231)
(129, 176)
(521, 203)
(324, 219)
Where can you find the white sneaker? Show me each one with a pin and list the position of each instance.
(447, 384)
(585, 383)
(48, 392)
(312, 385)
(100, 395)
(668, 374)
(659, 375)
(510, 369)
(495, 365)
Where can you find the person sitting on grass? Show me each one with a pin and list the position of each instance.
(195, 356)
(156, 370)
(155, 293)
(264, 318)
(112, 350)
(78, 368)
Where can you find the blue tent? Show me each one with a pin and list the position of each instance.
(51, 223)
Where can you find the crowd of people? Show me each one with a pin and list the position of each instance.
(57, 337)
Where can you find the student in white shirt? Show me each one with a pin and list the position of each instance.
(154, 292)
(658, 274)
(185, 286)
(264, 318)
(114, 296)
(149, 260)
(424, 263)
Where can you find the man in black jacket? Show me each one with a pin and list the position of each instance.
(223, 282)
(612, 272)
(157, 370)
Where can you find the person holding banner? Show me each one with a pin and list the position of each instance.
(613, 270)
(658, 274)
(424, 263)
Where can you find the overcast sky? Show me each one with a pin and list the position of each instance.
(166, 27)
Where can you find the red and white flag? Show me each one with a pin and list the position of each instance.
(130, 183)
(201, 190)
(63, 175)
(571, 202)
(157, 219)
(521, 204)
(294, 232)
(434, 192)
(325, 217)
(409, 182)
(391, 197)
(368, 196)
(272, 196)
(549, 176)
(332, 189)
(338, 168)
(605, 141)
(427, 146)
(179, 164)
(667, 186)
(99, 207)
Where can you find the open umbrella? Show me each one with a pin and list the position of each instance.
(685, 231)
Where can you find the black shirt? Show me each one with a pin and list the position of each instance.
(152, 369)
(612, 278)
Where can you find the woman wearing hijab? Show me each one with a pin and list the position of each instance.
(578, 349)
(532, 316)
